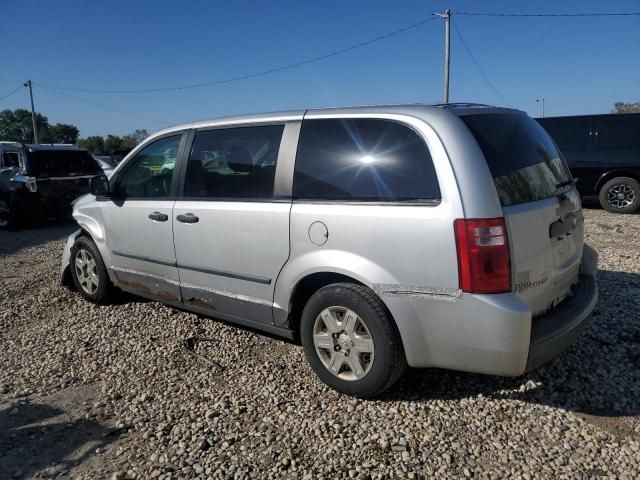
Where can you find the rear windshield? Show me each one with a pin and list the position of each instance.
(524, 161)
(61, 163)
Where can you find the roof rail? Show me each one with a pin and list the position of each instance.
(13, 144)
(462, 104)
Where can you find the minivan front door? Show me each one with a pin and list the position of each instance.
(137, 219)
(231, 236)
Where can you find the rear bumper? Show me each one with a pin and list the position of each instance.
(492, 334)
(33, 204)
(555, 331)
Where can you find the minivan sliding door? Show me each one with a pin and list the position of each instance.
(231, 234)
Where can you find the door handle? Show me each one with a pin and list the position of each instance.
(188, 218)
(158, 217)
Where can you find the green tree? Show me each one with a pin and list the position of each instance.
(622, 107)
(17, 126)
(139, 135)
(111, 143)
(95, 144)
(63, 133)
(128, 141)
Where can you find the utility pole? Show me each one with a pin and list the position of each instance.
(447, 51)
(541, 101)
(33, 112)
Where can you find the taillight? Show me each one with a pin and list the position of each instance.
(483, 255)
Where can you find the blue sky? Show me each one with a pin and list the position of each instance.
(580, 65)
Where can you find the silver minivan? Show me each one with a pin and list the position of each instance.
(378, 237)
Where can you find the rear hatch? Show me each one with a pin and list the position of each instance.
(540, 204)
(61, 175)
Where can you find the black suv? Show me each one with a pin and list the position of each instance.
(37, 180)
(603, 154)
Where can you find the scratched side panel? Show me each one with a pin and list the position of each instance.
(159, 288)
(216, 301)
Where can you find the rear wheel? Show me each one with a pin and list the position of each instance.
(351, 341)
(89, 273)
(620, 195)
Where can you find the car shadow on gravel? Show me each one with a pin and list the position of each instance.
(35, 437)
(598, 376)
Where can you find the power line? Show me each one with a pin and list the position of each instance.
(486, 79)
(11, 93)
(99, 105)
(482, 14)
(255, 74)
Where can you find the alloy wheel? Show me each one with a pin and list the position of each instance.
(86, 271)
(343, 343)
(621, 196)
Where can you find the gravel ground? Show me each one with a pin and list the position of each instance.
(107, 392)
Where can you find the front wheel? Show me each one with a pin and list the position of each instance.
(351, 341)
(89, 273)
(620, 195)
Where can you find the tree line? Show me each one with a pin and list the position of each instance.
(621, 107)
(17, 126)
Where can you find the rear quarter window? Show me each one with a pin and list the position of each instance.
(524, 161)
(363, 160)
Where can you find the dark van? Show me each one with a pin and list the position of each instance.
(603, 154)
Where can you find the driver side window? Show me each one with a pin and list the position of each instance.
(150, 172)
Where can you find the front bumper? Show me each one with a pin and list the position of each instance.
(65, 270)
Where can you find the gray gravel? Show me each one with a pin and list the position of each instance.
(106, 392)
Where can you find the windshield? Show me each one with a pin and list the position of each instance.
(524, 161)
(61, 163)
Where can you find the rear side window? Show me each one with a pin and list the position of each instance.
(62, 163)
(363, 160)
(10, 160)
(234, 162)
(523, 159)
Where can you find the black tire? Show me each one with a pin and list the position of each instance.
(627, 186)
(103, 293)
(388, 362)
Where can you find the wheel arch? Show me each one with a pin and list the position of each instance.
(308, 273)
(305, 288)
(610, 175)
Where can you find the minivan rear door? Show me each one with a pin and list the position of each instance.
(540, 205)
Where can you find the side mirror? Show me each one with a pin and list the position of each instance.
(99, 185)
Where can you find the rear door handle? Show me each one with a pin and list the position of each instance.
(188, 218)
(158, 217)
